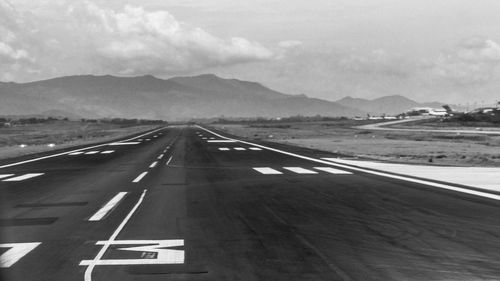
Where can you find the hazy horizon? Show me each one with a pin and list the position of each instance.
(426, 51)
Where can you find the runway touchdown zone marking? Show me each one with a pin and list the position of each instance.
(267, 171)
(373, 172)
(22, 177)
(300, 170)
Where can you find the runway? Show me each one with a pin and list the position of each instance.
(191, 203)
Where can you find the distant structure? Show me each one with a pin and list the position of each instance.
(425, 111)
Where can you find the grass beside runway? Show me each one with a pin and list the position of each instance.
(35, 138)
(395, 146)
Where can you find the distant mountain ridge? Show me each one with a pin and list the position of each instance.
(148, 97)
(389, 105)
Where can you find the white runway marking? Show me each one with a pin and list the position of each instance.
(160, 156)
(239, 148)
(92, 152)
(148, 139)
(153, 164)
(378, 173)
(332, 170)
(66, 152)
(216, 141)
(5, 175)
(24, 177)
(169, 159)
(212, 138)
(125, 143)
(107, 151)
(93, 263)
(223, 148)
(255, 148)
(163, 256)
(204, 138)
(76, 153)
(267, 171)
(108, 207)
(300, 170)
(16, 252)
(139, 177)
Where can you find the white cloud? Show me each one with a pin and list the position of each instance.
(474, 61)
(87, 38)
(136, 41)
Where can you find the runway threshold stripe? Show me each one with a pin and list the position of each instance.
(267, 171)
(24, 177)
(378, 173)
(106, 209)
(139, 177)
(332, 170)
(300, 170)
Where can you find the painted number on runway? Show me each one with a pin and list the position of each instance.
(152, 252)
(15, 252)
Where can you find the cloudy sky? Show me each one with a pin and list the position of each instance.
(447, 50)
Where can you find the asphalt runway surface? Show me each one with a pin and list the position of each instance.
(186, 203)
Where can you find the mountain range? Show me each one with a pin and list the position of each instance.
(178, 98)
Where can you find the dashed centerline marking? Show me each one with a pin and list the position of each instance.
(101, 213)
(169, 159)
(267, 171)
(160, 156)
(92, 152)
(24, 177)
(107, 151)
(300, 170)
(76, 153)
(153, 164)
(239, 148)
(224, 148)
(255, 148)
(139, 177)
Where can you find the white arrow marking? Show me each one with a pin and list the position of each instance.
(164, 256)
(15, 253)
